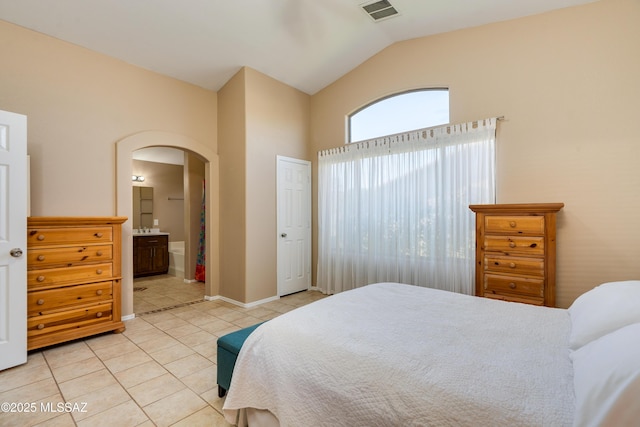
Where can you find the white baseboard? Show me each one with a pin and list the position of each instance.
(242, 304)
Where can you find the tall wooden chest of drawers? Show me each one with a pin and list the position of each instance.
(73, 278)
(516, 252)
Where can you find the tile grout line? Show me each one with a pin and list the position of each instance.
(64, 399)
(170, 373)
(142, 408)
(208, 401)
(158, 310)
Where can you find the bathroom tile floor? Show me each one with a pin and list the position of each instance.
(160, 372)
(162, 291)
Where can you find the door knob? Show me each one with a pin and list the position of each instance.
(16, 252)
(283, 235)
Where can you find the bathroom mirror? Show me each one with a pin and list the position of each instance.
(142, 207)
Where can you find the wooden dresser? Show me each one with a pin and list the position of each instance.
(516, 252)
(73, 278)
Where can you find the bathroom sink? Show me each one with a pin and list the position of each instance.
(148, 232)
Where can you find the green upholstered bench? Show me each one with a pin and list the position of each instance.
(228, 348)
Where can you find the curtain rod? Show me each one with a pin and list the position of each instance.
(448, 127)
(431, 128)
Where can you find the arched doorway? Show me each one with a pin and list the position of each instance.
(124, 150)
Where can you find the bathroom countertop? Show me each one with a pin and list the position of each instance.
(151, 233)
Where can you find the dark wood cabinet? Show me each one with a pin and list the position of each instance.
(150, 255)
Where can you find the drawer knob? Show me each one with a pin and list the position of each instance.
(40, 278)
(40, 236)
(99, 253)
(512, 285)
(98, 271)
(512, 265)
(99, 292)
(40, 326)
(98, 235)
(40, 301)
(40, 257)
(512, 224)
(512, 244)
(99, 314)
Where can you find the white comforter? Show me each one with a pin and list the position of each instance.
(400, 355)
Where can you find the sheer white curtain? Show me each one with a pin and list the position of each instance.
(397, 208)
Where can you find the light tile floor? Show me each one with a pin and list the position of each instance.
(162, 291)
(160, 372)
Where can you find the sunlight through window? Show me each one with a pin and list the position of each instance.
(400, 113)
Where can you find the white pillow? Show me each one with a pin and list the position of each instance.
(603, 309)
(606, 379)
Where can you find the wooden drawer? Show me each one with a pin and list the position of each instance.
(73, 278)
(144, 241)
(68, 235)
(495, 283)
(514, 244)
(514, 224)
(71, 319)
(60, 299)
(68, 256)
(67, 275)
(515, 252)
(514, 265)
(515, 298)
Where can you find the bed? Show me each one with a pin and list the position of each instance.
(389, 354)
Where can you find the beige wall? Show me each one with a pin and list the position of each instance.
(167, 182)
(232, 153)
(566, 81)
(78, 104)
(567, 84)
(277, 124)
(195, 175)
(259, 118)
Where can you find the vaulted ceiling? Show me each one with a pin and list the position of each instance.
(306, 44)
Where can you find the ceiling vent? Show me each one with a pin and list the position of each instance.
(379, 10)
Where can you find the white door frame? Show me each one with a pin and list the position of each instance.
(282, 253)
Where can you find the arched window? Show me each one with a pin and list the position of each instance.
(401, 112)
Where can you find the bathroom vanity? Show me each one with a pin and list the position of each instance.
(150, 254)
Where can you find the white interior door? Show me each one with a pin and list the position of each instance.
(13, 239)
(294, 225)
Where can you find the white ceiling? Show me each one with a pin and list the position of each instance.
(306, 44)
